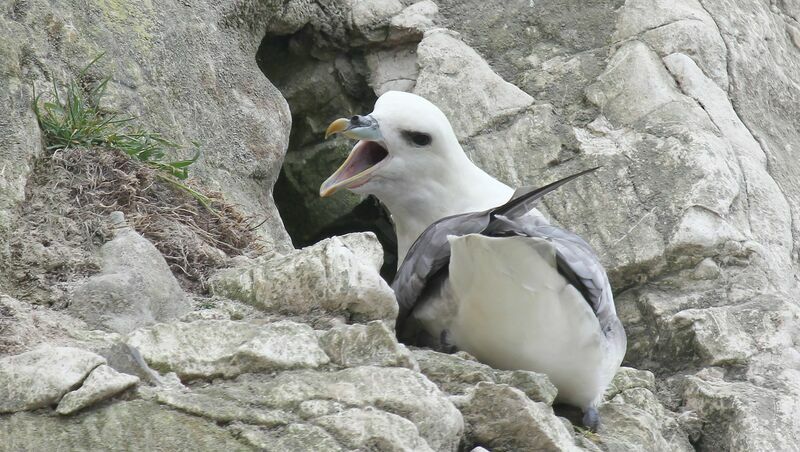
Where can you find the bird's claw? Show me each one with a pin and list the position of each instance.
(591, 419)
(444, 344)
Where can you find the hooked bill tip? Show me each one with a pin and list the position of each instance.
(338, 126)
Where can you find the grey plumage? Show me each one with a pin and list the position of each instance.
(430, 254)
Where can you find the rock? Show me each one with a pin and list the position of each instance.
(629, 378)
(413, 21)
(462, 85)
(293, 438)
(393, 69)
(452, 373)
(706, 269)
(373, 344)
(534, 385)
(337, 275)
(503, 418)
(239, 117)
(103, 382)
(632, 418)
(134, 288)
(224, 348)
(368, 428)
(40, 378)
(222, 410)
(136, 424)
(398, 391)
(676, 27)
(371, 18)
(741, 415)
(23, 326)
(457, 375)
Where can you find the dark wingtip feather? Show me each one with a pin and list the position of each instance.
(524, 203)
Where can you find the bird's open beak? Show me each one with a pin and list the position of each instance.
(367, 155)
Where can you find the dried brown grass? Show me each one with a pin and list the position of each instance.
(71, 194)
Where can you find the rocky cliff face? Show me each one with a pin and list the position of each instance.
(691, 108)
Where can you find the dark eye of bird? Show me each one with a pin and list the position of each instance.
(418, 138)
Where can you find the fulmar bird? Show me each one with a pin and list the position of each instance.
(482, 270)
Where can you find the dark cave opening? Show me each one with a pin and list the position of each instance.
(320, 85)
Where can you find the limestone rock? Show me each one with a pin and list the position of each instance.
(337, 275)
(368, 428)
(41, 377)
(457, 375)
(134, 288)
(238, 116)
(394, 390)
(632, 418)
(504, 419)
(676, 27)
(413, 21)
(742, 414)
(534, 385)
(373, 344)
(222, 410)
(452, 373)
(393, 69)
(293, 438)
(103, 382)
(24, 326)
(136, 424)
(454, 77)
(371, 18)
(212, 348)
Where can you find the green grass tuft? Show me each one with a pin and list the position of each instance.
(73, 118)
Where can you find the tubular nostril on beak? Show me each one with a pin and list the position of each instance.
(355, 119)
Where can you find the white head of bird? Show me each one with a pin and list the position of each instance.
(409, 157)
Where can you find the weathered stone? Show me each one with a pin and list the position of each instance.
(535, 385)
(368, 428)
(457, 375)
(137, 424)
(393, 69)
(103, 382)
(413, 21)
(41, 377)
(371, 18)
(238, 116)
(632, 418)
(134, 288)
(452, 373)
(211, 348)
(373, 344)
(676, 27)
(395, 390)
(24, 326)
(462, 85)
(742, 415)
(222, 410)
(504, 419)
(338, 275)
(629, 378)
(293, 438)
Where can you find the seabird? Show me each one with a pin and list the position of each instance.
(482, 270)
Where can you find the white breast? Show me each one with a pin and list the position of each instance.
(506, 304)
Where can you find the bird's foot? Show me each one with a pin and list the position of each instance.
(444, 344)
(591, 418)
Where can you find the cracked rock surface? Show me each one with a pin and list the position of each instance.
(691, 107)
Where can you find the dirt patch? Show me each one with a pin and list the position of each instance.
(63, 222)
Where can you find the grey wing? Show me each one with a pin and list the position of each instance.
(428, 256)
